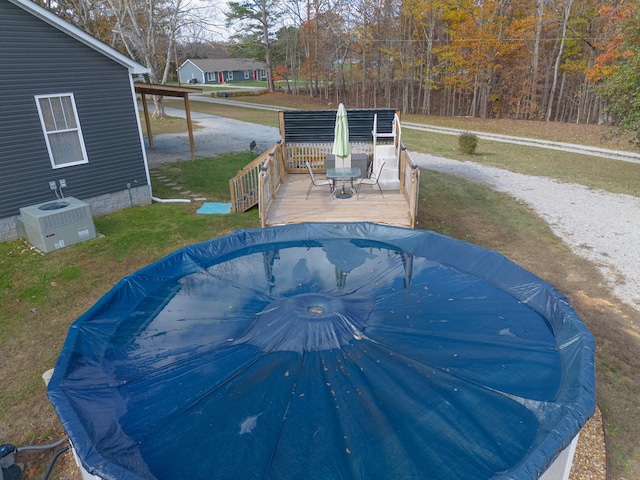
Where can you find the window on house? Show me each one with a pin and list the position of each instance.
(263, 74)
(229, 76)
(247, 75)
(62, 132)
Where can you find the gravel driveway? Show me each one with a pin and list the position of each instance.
(599, 226)
(214, 136)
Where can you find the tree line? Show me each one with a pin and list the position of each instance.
(550, 60)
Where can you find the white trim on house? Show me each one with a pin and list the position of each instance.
(61, 127)
(190, 62)
(140, 136)
(52, 19)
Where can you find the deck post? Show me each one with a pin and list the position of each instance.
(147, 120)
(281, 123)
(403, 167)
(232, 190)
(187, 109)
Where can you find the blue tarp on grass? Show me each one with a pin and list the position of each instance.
(214, 208)
(326, 351)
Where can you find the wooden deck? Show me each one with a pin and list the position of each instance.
(290, 205)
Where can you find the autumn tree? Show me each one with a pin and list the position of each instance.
(618, 66)
(424, 18)
(256, 19)
(147, 30)
(288, 58)
(89, 15)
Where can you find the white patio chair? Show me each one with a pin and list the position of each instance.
(317, 182)
(372, 180)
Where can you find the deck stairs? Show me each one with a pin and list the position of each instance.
(386, 148)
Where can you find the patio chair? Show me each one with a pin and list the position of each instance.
(372, 180)
(315, 182)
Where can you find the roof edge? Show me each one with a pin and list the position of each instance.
(80, 35)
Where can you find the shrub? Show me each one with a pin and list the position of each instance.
(468, 142)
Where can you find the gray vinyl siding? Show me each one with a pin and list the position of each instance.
(207, 70)
(38, 59)
(238, 76)
(188, 71)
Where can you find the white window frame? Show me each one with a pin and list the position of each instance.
(62, 125)
(247, 75)
(229, 75)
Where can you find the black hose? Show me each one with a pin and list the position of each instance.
(53, 461)
(42, 447)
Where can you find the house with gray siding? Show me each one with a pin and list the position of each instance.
(68, 115)
(221, 70)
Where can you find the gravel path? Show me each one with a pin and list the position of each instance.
(599, 226)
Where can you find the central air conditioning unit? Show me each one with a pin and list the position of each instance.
(56, 224)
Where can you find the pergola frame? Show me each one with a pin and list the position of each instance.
(145, 89)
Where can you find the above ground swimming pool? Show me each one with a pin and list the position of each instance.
(326, 351)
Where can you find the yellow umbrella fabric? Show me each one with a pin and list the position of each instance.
(341, 146)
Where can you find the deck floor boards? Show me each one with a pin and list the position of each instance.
(290, 205)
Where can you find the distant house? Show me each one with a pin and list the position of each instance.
(222, 70)
(68, 113)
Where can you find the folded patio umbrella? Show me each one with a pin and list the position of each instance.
(341, 147)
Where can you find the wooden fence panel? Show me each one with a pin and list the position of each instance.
(296, 154)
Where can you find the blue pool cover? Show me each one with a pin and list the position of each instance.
(326, 351)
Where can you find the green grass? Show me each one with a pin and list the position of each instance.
(610, 175)
(459, 208)
(595, 135)
(203, 175)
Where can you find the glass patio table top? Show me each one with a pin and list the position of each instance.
(343, 174)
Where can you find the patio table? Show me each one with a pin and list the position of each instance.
(335, 174)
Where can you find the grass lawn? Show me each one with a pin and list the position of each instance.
(206, 176)
(42, 295)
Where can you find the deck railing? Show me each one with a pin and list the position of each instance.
(271, 177)
(258, 182)
(410, 184)
(296, 154)
(245, 186)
